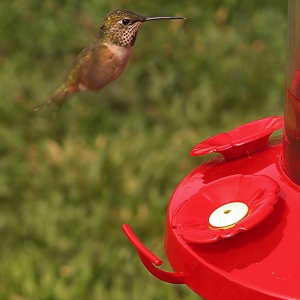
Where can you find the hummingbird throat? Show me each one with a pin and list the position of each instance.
(121, 36)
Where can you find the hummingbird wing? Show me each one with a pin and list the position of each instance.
(69, 86)
(91, 68)
(80, 65)
(105, 64)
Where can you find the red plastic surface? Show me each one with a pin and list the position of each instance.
(242, 140)
(262, 263)
(149, 259)
(191, 218)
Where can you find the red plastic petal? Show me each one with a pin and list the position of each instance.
(240, 141)
(258, 192)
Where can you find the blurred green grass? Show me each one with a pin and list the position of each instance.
(67, 185)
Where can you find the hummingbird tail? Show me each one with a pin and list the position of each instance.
(53, 104)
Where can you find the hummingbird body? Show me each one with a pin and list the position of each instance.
(102, 61)
(97, 65)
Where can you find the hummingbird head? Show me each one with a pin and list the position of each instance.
(120, 26)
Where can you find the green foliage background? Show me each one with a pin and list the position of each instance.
(67, 185)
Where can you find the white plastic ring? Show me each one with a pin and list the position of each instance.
(228, 214)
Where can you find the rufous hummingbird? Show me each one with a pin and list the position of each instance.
(102, 61)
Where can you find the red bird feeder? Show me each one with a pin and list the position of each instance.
(232, 223)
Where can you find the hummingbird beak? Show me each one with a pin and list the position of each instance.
(163, 18)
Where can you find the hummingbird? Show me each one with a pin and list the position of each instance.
(103, 60)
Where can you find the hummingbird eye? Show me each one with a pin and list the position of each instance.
(125, 22)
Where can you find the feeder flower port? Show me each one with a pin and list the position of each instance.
(240, 141)
(209, 216)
